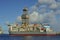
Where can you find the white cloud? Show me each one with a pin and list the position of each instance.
(34, 17)
(37, 17)
(46, 1)
(53, 6)
(52, 3)
(42, 10)
(19, 18)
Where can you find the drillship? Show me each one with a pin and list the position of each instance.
(26, 29)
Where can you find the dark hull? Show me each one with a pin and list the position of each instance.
(33, 33)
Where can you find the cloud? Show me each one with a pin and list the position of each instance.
(37, 17)
(53, 6)
(19, 18)
(46, 1)
(34, 16)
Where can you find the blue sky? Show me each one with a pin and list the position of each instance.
(11, 9)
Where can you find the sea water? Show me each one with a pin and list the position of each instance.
(8, 37)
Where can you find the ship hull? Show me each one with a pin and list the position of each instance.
(33, 33)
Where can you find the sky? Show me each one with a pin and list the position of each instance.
(46, 11)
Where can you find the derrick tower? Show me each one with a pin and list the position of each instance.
(25, 17)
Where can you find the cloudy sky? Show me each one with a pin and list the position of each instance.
(41, 11)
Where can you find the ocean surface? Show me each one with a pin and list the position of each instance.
(8, 37)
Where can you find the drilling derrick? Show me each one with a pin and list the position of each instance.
(25, 18)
